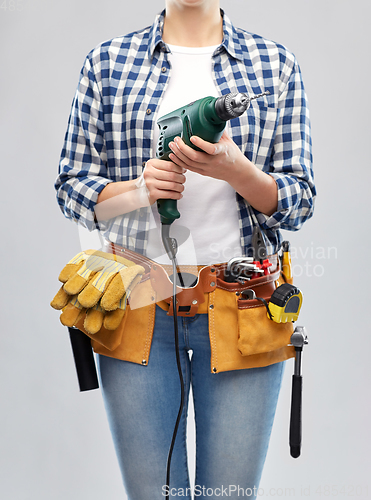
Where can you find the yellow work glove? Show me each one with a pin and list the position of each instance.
(99, 285)
(113, 277)
(74, 311)
(102, 273)
(92, 262)
(74, 265)
(70, 269)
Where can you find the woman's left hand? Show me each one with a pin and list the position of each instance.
(220, 161)
(225, 161)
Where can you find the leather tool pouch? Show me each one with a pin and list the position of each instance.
(131, 341)
(254, 333)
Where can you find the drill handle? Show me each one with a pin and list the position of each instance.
(168, 211)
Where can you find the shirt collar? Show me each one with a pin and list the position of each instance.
(230, 37)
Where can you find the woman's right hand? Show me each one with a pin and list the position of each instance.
(160, 179)
(163, 180)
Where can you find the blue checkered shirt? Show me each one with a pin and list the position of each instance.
(110, 129)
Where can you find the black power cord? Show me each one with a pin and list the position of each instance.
(170, 245)
(182, 390)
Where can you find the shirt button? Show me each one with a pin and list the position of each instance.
(148, 111)
(163, 69)
(144, 164)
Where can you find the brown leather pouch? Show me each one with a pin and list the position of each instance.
(256, 332)
(131, 341)
(241, 334)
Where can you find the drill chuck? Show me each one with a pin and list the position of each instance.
(234, 104)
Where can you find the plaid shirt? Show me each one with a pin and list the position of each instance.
(109, 135)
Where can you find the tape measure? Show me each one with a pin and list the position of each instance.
(285, 303)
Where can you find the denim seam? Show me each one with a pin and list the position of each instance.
(214, 356)
(195, 420)
(186, 334)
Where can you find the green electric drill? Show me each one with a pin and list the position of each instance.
(205, 118)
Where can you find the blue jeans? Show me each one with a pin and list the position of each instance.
(234, 413)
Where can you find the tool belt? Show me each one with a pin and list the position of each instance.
(241, 334)
(193, 300)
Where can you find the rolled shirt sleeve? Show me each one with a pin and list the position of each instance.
(83, 163)
(291, 160)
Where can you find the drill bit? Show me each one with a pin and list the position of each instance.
(256, 96)
(235, 104)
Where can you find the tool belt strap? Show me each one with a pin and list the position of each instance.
(193, 300)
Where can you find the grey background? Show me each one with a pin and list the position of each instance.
(55, 442)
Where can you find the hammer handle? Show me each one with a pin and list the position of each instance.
(295, 419)
(84, 360)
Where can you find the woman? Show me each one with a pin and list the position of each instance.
(259, 173)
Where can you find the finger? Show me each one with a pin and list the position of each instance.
(164, 165)
(165, 187)
(178, 161)
(170, 186)
(199, 168)
(208, 147)
(172, 175)
(186, 153)
(159, 194)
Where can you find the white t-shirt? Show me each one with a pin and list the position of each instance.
(209, 221)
